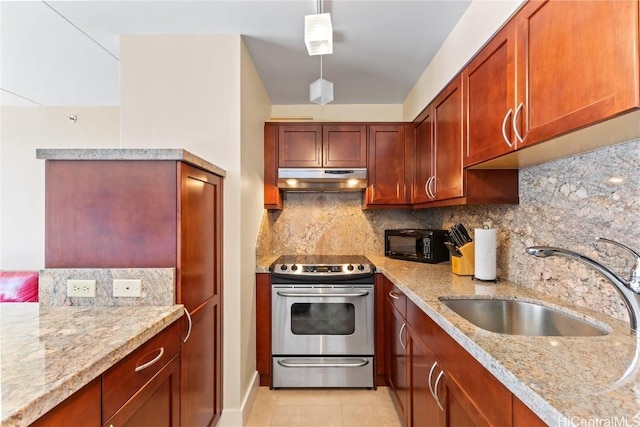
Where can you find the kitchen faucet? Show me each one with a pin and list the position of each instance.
(629, 289)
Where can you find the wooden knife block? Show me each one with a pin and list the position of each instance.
(464, 265)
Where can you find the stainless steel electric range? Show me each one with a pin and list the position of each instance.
(322, 321)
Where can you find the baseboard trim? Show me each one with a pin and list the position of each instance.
(239, 417)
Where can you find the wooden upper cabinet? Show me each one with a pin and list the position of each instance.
(272, 195)
(344, 146)
(387, 183)
(489, 96)
(421, 190)
(331, 146)
(577, 64)
(299, 146)
(448, 142)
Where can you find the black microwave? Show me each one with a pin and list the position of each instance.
(416, 245)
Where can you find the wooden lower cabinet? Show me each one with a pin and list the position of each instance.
(436, 382)
(424, 409)
(81, 409)
(143, 389)
(397, 359)
(156, 404)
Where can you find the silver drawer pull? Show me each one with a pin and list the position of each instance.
(306, 364)
(394, 295)
(151, 362)
(337, 294)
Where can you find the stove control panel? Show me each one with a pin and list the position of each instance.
(322, 269)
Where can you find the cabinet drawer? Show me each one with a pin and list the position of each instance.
(122, 381)
(396, 297)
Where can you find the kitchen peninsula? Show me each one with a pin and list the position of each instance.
(49, 353)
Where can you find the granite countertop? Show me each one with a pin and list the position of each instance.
(48, 353)
(564, 380)
(128, 154)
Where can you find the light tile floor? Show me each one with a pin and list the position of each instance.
(323, 408)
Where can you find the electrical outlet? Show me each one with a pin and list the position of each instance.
(81, 288)
(127, 288)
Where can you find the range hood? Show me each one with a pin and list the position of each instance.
(318, 179)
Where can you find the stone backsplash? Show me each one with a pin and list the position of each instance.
(565, 203)
(157, 286)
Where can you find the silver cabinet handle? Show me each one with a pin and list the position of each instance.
(431, 193)
(515, 122)
(433, 368)
(292, 363)
(426, 186)
(504, 132)
(433, 188)
(404, 325)
(186, 312)
(336, 294)
(394, 295)
(151, 362)
(435, 390)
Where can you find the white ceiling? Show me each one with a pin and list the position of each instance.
(66, 52)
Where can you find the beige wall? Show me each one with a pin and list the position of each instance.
(476, 26)
(255, 110)
(203, 94)
(338, 112)
(22, 130)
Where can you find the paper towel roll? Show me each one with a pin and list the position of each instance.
(485, 257)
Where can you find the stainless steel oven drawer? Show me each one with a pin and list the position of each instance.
(342, 371)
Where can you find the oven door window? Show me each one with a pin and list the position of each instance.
(323, 318)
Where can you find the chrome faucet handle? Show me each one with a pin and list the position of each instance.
(634, 277)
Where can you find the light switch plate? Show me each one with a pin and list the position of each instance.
(127, 288)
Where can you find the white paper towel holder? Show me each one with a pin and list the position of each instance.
(495, 278)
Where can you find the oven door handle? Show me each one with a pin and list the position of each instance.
(337, 294)
(292, 363)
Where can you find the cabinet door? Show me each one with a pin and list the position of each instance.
(448, 141)
(577, 63)
(424, 374)
(272, 195)
(523, 416)
(199, 213)
(387, 183)
(199, 288)
(489, 87)
(423, 158)
(397, 367)
(456, 414)
(344, 146)
(156, 404)
(201, 368)
(299, 146)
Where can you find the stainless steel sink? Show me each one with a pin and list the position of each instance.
(514, 317)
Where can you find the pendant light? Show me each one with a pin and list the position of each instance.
(321, 91)
(318, 36)
(318, 32)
